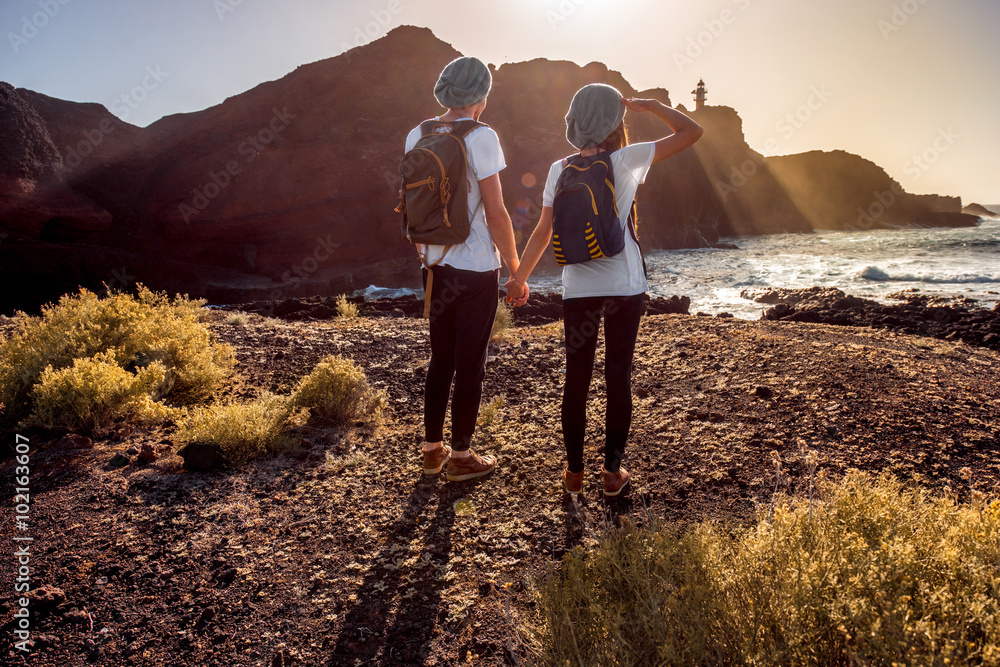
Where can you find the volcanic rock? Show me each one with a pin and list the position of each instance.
(949, 319)
(72, 441)
(203, 456)
(47, 596)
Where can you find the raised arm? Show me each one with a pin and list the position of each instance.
(686, 131)
(498, 220)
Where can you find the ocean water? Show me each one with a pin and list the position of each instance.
(873, 264)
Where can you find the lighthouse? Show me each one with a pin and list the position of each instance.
(700, 94)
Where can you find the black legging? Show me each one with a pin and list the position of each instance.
(581, 321)
(463, 307)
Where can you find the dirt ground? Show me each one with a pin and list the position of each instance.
(343, 553)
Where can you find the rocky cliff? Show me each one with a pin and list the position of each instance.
(288, 189)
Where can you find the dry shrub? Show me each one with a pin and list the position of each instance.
(139, 330)
(93, 393)
(346, 309)
(337, 393)
(242, 430)
(503, 321)
(882, 573)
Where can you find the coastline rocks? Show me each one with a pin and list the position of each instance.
(980, 211)
(541, 308)
(948, 319)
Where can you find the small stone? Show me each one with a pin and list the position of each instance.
(47, 596)
(119, 461)
(72, 441)
(207, 614)
(147, 454)
(76, 616)
(203, 456)
(226, 576)
(763, 392)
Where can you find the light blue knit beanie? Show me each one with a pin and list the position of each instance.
(463, 82)
(596, 110)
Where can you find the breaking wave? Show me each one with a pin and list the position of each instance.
(877, 274)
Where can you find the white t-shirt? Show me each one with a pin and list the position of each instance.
(621, 275)
(485, 157)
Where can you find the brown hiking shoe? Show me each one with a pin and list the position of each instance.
(614, 482)
(573, 482)
(435, 459)
(470, 467)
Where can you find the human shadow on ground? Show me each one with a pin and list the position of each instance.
(397, 607)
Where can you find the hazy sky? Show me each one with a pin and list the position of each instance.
(913, 85)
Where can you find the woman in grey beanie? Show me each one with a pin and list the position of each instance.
(611, 288)
(466, 288)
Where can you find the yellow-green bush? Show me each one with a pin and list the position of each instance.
(336, 392)
(92, 393)
(242, 430)
(139, 330)
(346, 309)
(503, 321)
(876, 573)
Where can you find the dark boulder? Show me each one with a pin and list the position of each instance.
(203, 457)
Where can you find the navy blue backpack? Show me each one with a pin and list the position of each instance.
(585, 218)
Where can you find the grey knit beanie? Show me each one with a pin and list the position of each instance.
(463, 82)
(596, 110)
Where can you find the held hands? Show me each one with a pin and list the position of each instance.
(517, 292)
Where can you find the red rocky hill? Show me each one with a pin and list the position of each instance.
(288, 189)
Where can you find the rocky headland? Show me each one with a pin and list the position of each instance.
(288, 189)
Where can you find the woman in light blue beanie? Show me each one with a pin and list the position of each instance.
(609, 288)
